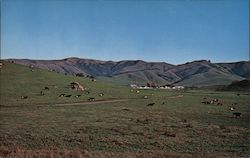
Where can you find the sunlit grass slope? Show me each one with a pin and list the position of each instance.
(17, 81)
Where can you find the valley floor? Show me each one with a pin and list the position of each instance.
(177, 125)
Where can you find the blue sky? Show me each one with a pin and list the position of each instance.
(173, 31)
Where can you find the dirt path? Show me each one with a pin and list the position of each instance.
(90, 102)
(178, 96)
(105, 101)
(93, 102)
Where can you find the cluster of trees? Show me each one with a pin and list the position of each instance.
(87, 76)
(152, 84)
(239, 84)
(243, 85)
(155, 85)
(82, 75)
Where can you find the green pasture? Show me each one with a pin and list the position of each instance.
(178, 123)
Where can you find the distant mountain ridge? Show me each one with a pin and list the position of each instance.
(196, 73)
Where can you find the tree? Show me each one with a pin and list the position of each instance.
(148, 84)
(80, 74)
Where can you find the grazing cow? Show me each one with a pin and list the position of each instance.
(145, 97)
(232, 108)
(205, 102)
(216, 100)
(219, 104)
(237, 114)
(77, 96)
(87, 92)
(184, 120)
(168, 134)
(42, 93)
(46, 88)
(151, 104)
(163, 102)
(137, 91)
(32, 70)
(62, 95)
(101, 94)
(68, 96)
(24, 97)
(238, 94)
(91, 99)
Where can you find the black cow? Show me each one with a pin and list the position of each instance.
(68, 96)
(91, 99)
(237, 114)
(77, 96)
(24, 97)
(151, 104)
(219, 103)
(46, 88)
(205, 102)
(42, 93)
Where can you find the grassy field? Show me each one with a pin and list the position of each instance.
(41, 126)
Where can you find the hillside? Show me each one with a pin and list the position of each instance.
(204, 73)
(17, 81)
(238, 68)
(196, 73)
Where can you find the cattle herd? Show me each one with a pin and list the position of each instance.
(42, 93)
(210, 101)
(214, 101)
(220, 103)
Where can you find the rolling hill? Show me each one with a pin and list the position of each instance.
(196, 73)
(17, 81)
